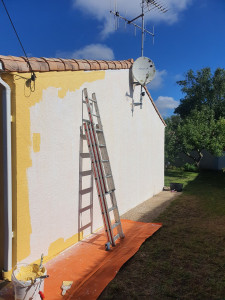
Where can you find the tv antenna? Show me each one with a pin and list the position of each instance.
(142, 62)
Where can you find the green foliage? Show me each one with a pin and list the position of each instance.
(200, 120)
(199, 131)
(203, 89)
(171, 139)
(190, 168)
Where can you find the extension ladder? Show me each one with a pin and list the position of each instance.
(102, 170)
(85, 194)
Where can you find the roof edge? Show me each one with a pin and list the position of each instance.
(20, 64)
(153, 103)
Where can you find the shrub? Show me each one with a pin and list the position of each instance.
(190, 168)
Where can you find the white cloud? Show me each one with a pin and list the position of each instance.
(157, 82)
(100, 10)
(178, 77)
(166, 104)
(92, 51)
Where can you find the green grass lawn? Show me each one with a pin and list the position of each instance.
(185, 259)
(179, 176)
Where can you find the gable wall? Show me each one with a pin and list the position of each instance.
(46, 160)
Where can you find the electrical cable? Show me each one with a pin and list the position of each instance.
(33, 76)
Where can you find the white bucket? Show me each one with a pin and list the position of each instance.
(27, 290)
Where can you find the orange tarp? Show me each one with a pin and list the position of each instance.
(90, 266)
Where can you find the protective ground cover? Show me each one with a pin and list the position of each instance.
(90, 267)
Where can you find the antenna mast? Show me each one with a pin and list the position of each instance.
(146, 6)
(142, 28)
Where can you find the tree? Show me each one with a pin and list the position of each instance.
(199, 131)
(203, 89)
(171, 139)
(200, 120)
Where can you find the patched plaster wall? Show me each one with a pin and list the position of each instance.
(47, 125)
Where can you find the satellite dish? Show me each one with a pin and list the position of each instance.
(143, 70)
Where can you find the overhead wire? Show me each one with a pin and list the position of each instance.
(33, 76)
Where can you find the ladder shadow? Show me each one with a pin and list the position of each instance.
(96, 240)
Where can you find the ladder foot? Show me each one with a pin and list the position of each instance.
(107, 246)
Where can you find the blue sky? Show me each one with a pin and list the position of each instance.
(191, 35)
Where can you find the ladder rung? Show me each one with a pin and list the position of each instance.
(112, 208)
(99, 130)
(96, 115)
(86, 102)
(86, 208)
(85, 226)
(105, 160)
(86, 173)
(85, 191)
(102, 145)
(85, 155)
(110, 192)
(86, 121)
(116, 237)
(115, 225)
(108, 176)
(93, 100)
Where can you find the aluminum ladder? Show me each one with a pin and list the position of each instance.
(85, 205)
(102, 170)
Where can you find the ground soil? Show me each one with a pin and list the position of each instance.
(151, 208)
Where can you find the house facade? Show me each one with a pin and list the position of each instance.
(40, 150)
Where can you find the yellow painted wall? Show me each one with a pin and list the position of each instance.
(55, 96)
(1, 188)
(26, 94)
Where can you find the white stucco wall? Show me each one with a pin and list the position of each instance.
(135, 145)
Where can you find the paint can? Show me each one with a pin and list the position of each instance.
(27, 290)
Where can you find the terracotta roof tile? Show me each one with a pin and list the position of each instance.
(43, 64)
(38, 64)
(124, 64)
(55, 64)
(129, 62)
(14, 64)
(83, 64)
(94, 65)
(111, 64)
(118, 64)
(103, 65)
(70, 64)
(19, 64)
